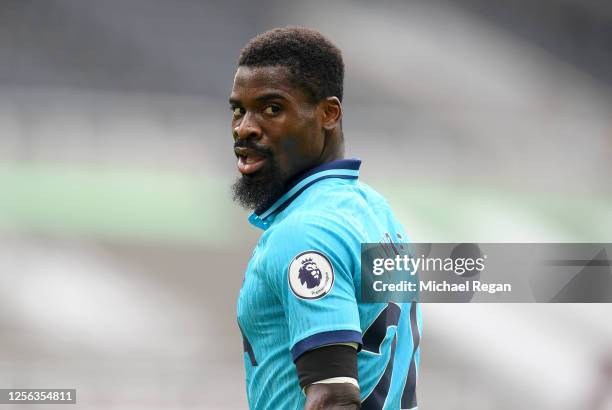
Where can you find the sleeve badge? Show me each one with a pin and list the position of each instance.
(311, 275)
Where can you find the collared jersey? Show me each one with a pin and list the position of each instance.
(301, 288)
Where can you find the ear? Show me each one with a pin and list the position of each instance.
(331, 110)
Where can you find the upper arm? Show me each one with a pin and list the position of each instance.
(312, 263)
(328, 364)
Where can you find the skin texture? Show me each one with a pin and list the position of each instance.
(274, 119)
(341, 396)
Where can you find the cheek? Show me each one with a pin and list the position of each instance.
(314, 141)
(298, 144)
(290, 146)
(288, 152)
(304, 140)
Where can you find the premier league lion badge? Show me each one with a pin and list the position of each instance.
(311, 275)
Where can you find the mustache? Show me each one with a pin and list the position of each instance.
(251, 145)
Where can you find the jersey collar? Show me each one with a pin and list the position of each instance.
(343, 168)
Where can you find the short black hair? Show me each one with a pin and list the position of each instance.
(314, 61)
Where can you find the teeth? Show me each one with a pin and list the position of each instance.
(251, 160)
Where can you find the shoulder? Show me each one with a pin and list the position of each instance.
(354, 199)
(309, 225)
(339, 202)
(315, 235)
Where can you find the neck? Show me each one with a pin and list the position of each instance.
(333, 149)
(331, 152)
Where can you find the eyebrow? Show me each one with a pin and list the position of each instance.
(262, 98)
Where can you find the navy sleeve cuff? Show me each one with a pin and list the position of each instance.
(326, 338)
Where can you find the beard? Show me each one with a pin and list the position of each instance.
(258, 191)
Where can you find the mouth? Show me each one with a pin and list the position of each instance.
(249, 161)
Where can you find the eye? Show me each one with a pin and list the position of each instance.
(272, 109)
(237, 111)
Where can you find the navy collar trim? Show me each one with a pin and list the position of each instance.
(344, 168)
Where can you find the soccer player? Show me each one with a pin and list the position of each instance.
(308, 341)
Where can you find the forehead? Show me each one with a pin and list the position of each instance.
(252, 82)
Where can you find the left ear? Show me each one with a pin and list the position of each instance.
(331, 111)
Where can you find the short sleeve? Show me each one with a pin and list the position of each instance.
(310, 266)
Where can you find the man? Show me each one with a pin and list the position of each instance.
(309, 343)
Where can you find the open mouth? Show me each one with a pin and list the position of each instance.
(249, 161)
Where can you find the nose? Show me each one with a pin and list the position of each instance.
(247, 128)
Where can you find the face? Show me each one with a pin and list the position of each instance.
(277, 133)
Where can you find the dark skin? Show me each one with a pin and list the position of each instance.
(275, 114)
(278, 116)
(340, 396)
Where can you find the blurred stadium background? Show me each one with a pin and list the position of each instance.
(121, 253)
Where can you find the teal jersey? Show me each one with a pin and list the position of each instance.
(301, 291)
